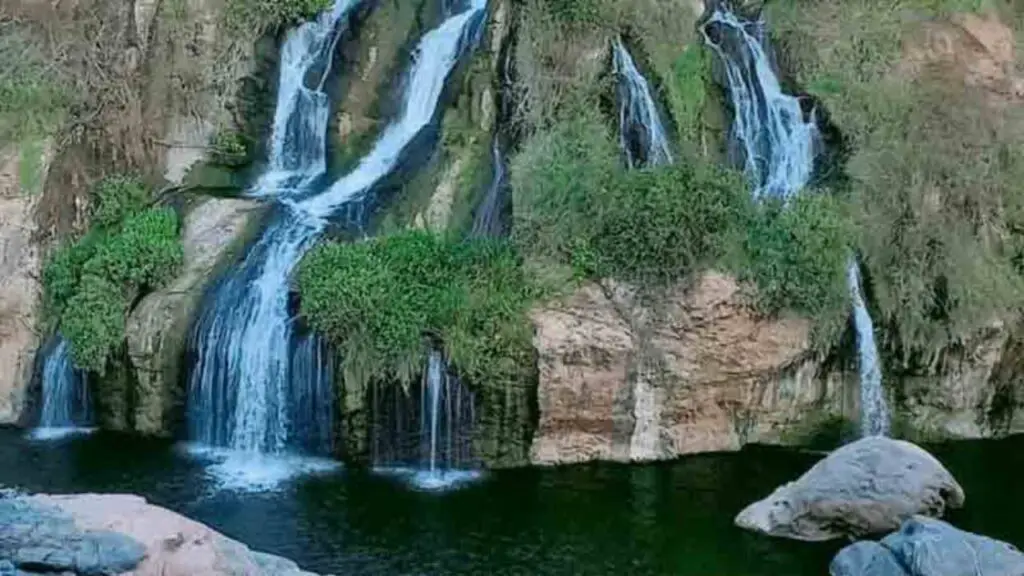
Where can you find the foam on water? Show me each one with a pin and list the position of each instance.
(255, 472)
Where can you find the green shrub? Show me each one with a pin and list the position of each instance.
(380, 300)
(115, 198)
(90, 283)
(934, 167)
(145, 252)
(576, 204)
(797, 254)
(230, 149)
(94, 322)
(248, 17)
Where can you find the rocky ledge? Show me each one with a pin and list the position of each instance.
(118, 534)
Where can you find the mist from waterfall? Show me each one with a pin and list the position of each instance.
(777, 148)
(257, 386)
(642, 135)
(66, 407)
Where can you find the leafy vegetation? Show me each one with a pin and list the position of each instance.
(33, 96)
(91, 283)
(257, 16)
(935, 164)
(382, 299)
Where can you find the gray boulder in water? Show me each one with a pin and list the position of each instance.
(928, 547)
(866, 487)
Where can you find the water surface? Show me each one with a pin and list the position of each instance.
(671, 518)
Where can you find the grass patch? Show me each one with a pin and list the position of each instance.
(381, 301)
(934, 167)
(91, 283)
(246, 17)
(34, 97)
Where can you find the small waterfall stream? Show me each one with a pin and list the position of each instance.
(256, 386)
(642, 135)
(425, 435)
(778, 147)
(65, 395)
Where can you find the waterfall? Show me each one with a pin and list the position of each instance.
(641, 133)
(874, 413)
(489, 215)
(776, 143)
(65, 395)
(426, 440)
(778, 149)
(256, 386)
(298, 141)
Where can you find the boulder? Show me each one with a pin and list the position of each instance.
(108, 534)
(870, 486)
(928, 547)
(866, 559)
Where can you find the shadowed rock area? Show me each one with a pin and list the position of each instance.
(928, 547)
(867, 487)
(105, 535)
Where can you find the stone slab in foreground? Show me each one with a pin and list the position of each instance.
(867, 487)
(113, 534)
(927, 547)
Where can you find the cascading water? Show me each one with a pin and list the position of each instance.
(298, 142)
(65, 395)
(776, 143)
(779, 147)
(874, 412)
(488, 220)
(252, 373)
(426, 437)
(641, 133)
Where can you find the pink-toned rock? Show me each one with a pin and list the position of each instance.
(697, 371)
(175, 545)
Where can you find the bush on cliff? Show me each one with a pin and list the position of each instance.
(258, 16)
(91, 283)
(935, 164)
(382, 300)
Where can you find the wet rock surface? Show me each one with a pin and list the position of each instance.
(928, 547)
(870, 486)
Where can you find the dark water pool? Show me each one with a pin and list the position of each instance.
(673, 518)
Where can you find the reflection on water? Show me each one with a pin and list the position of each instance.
(672, 518)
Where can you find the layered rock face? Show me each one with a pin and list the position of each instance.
(20, 288)
(620, 379)
(92, 534)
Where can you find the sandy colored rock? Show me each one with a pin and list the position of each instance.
(867, 487)
(175, 545)
(21, 261)
(625, 380)
(157, 328)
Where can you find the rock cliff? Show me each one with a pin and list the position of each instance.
(622, 379)
(158, 327)
(20, 289)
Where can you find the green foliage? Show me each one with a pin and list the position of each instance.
(146, 252)
(248, 17)
(230, 149)
(380, 299)
(90, 283)
(33, 96)
(576, 12)
(797, 254)
(687, 92)
(935, 168)
(94, 321)
(575, 204)
(115, 198)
